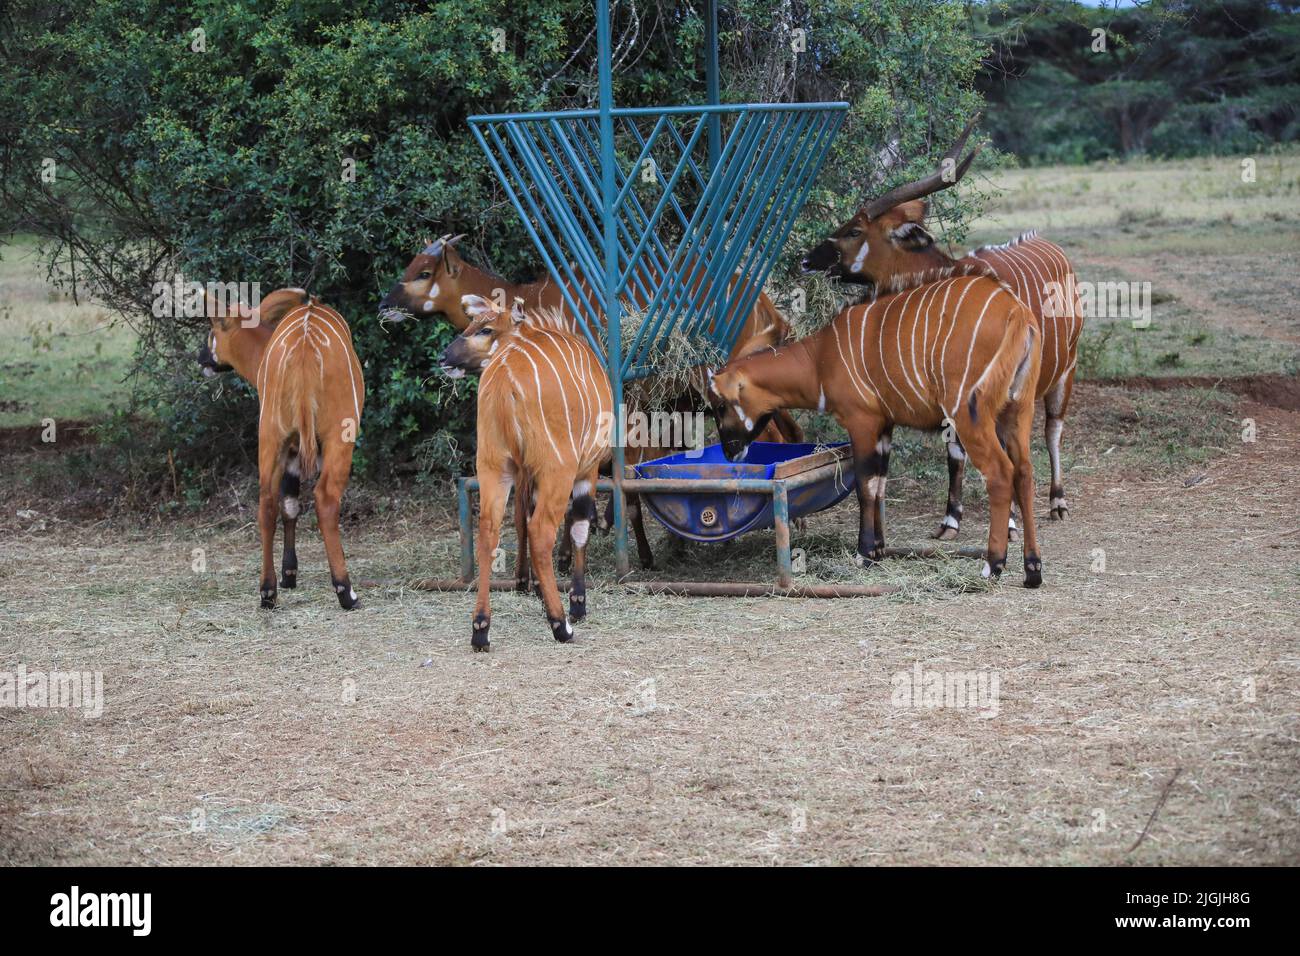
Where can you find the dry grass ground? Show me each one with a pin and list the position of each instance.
(698, 730)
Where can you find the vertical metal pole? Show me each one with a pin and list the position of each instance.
(781, 516)
(466, 532)
(712, 82)
(713, 94)
(613, 316)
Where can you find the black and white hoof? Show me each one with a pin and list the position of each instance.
(347, 597)
(870, 559)
(480, 641)
(1059, 509)
(1033, 571)
(288, 578)
(564, 564)
(993, 569)
(950, 525)
(561, 630)
(268, 596)
(1013, 533)
(577, 607)
(523, 585)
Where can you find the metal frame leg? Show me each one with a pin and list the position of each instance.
(466, 531)
(781, 519)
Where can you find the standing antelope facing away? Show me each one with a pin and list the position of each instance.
(887, 240)
(298, 354)
(955, 348)
(438, 281)
(545, 412)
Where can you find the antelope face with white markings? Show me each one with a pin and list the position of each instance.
(430, 285)
(741, 409)
(488, 332)
(887, 237)
(225, 349)
(872, 251)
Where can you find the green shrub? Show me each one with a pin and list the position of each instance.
(233, 162)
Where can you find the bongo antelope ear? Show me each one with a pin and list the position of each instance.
(517, 313)
(451, 260)
(911, 236)
(475, 305)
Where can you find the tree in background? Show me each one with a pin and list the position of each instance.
(319, 144)
(1068, 82)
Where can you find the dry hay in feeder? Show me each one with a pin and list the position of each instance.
(823, 299)
(681, 364)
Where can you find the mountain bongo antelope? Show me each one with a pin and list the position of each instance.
(954, 348)
(887, 239)
(545, 412)
(297, 353)
(438, 280)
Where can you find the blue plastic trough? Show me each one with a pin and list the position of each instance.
(703, 497)
(815, 476)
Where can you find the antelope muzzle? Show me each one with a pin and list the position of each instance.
(459, 358)
(824, 258)
(207, 360)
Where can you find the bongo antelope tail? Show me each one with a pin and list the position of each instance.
(887, 239)
(298, 354)
(438, 280)
(545, 413)
(953, 349)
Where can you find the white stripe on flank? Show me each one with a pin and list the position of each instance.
(850, 365)
(880, 346)
(956, 313)
(541, 403)
(898, 339)
(961, 389)
(936, 372)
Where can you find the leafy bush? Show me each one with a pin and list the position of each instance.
(218, 141)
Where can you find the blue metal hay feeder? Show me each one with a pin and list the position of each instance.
(678, 212)
(721, 515)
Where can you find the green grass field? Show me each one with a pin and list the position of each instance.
(58, 359)
(1221, 256)
(1194, 206)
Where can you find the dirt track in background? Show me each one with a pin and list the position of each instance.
(1274, 391)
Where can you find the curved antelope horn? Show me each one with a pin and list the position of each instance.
(445, 240)
(939, 180)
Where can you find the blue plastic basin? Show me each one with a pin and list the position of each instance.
(722, 515)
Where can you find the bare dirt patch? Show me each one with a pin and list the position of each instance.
(1279, 391)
